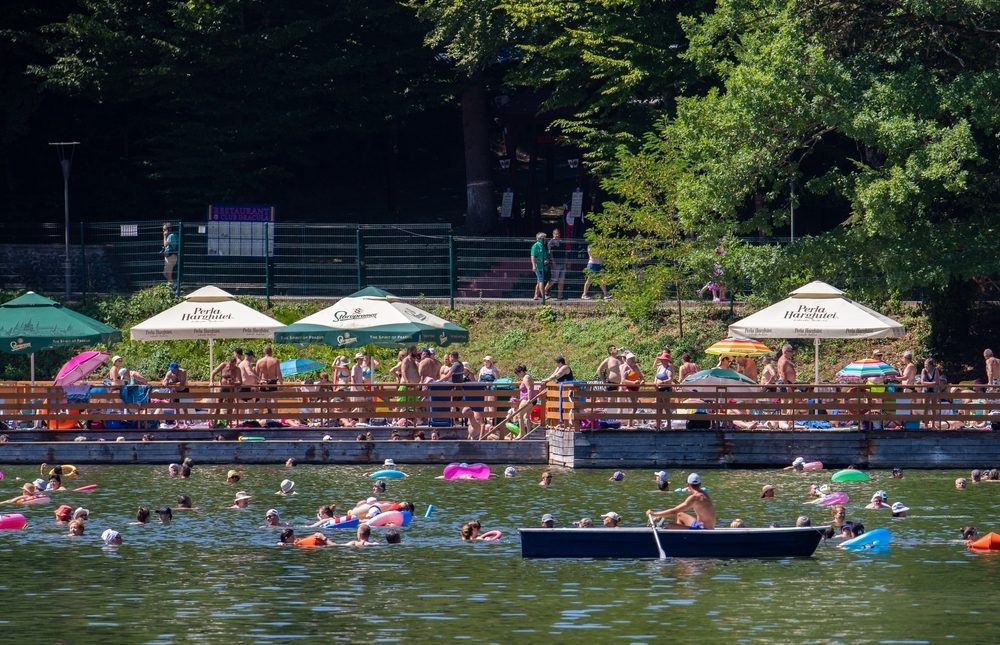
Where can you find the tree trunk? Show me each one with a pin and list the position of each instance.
(480, 210)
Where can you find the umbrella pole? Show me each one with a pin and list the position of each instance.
(211, 355)
(32, 368)
(816, 359)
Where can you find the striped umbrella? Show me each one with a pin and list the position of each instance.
(739, 347)
(867, 368)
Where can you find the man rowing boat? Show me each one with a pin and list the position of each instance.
(698, 501)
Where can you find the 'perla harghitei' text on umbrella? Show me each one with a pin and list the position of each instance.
(805, 312)
(206, 314)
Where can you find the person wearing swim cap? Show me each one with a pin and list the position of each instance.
(662, 482)
(111, 537)
(272, 519)
(617, 476)
(697, 501)
(797, 465)
(879, 500)
(509, 472)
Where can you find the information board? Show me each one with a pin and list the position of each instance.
(245, 230)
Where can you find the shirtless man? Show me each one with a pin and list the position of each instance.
(429, 368)
(360, 538)
(786, 368)
(610, 368)
(698, 501)
(909, 372)
(747, 367)
(268, 369)
(768, 375)
(992, 367)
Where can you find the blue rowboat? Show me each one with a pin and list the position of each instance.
(639, 542)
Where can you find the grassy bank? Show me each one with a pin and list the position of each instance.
(511, 333)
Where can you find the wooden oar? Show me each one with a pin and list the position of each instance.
(656, 536)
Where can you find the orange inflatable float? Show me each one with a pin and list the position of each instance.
(989, 542)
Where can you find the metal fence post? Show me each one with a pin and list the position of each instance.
(451, 271)
(267, 264)
(180, 257)
(83, 263)
(358, 254)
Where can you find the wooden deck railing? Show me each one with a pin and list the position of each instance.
(583, 406)
(577, 406)
(435, 405)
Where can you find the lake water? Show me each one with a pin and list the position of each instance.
(215, 575)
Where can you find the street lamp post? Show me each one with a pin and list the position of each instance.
(65, 150)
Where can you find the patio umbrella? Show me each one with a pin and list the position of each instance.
(376, 318)
(211, 314)
(32, 322)
(718, 376)
(817, 311)
(295, 366)
(739, 347)
(867, 368)
(79, 367)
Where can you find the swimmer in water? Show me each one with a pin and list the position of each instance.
(111, 537)
(378, 487)
(141, 515)
(662, 482)
(165, 514)
(287, 537)
(184, 503)
(879, 500)
(360, 538)
(546, 479)
(323, 515)
(470, 530)
(64, 514)
(961, 483)
(54, 485)
(767, 492)
(28, 492)
(797, 465)
(241, 500)
(76, 528)
(232, 477)
(272, 519)
(173, 470)
(316, 539)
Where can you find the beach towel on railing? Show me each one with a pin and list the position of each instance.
(135, 393)
(78, 393)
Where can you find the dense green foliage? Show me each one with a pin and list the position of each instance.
(888, 108)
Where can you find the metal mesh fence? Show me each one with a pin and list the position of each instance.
(307, 260)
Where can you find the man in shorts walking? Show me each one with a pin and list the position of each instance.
(558, 250)
(539, 265)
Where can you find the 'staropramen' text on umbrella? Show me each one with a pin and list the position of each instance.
(381, 320)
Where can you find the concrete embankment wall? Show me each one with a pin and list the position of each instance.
(758, 449)
(275, 451)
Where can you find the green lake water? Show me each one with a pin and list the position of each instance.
(215, 575)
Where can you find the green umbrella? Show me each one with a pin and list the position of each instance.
(31, 323)
(374, 318)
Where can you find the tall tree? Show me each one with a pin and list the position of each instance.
(477, 38)
(613, 67)
(881, 105)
